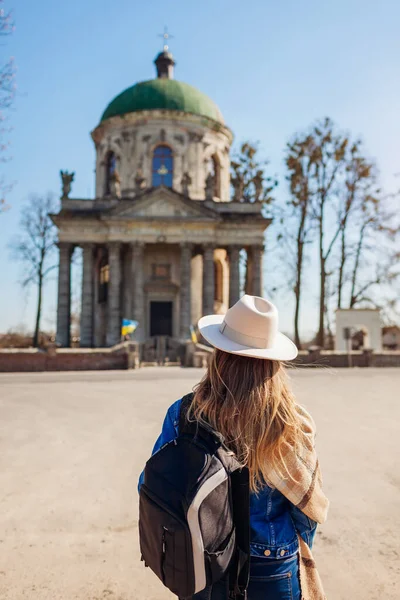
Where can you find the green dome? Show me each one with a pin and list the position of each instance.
(163, 94)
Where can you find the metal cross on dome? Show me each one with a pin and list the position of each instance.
(166, 36)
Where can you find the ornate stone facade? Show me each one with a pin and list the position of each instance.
(161, 241)
(194, 140)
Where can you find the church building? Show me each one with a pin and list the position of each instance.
(162, 239)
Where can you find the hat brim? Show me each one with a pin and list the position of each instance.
(283, 348)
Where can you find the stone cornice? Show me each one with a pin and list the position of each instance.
(242, 208)
(143, 117)
(124, 209)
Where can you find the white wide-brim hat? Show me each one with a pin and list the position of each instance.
(249, 328)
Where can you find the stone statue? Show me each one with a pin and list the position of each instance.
(238, 186)
(66, 179)
(186, 182)
(140, 180)
(115, 185)
(258, 181)
(210, 186)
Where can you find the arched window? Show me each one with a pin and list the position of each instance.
(111, 165)
(214, 168)
(162, 167)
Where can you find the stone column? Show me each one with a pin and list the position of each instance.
(137, 277)
(87, 296)
(257, 252)
(185, 316)
(97, 307)
(234, 275)
(64, 295)
(208, 280)
(114, 295)
(127, 307)
(248, 283)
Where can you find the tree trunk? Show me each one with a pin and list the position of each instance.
(328, 329)
(321, 330)
(296, 316)
(297, 289)
(301, 237)
(355, 270)
(341, 268)
(38, 313)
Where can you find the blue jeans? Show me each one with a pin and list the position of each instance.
(276, 579)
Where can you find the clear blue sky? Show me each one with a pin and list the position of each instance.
(272, 67)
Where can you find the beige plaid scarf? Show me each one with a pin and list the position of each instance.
(305, 492)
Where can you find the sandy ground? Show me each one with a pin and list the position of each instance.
(72, 446)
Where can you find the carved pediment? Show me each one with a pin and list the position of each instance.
(163, 203)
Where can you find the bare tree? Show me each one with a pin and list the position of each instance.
(375, 255)
(359, 179)
(7, 94)
(298, 159)
(35, 248)
(315, 163)
(249, 179)
(251, 183)
(335, 200)
(328, 159)
(329, 182)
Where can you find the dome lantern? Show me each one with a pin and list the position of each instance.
(165, 61)
(165, 65)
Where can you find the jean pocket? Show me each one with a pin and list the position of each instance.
(273, 587)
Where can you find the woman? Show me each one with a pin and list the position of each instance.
(245, 396)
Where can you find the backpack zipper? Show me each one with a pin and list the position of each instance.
(163, 541)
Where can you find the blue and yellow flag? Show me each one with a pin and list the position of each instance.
(193, 335)
(128, 326)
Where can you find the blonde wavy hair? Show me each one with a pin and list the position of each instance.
(249, 402)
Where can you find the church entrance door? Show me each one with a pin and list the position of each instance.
(160, 318)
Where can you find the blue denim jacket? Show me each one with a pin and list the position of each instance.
(274, 520)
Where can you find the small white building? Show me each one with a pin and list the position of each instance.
(356, 319)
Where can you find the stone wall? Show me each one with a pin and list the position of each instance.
(341, 359)
(316, 358)
(123, 356)
(366, 358)
(126, 356)
(386, 359)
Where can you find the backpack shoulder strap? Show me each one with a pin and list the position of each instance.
(239, 575)
(184, 424)
(201, 431)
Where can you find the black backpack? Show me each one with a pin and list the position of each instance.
(194, 513)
